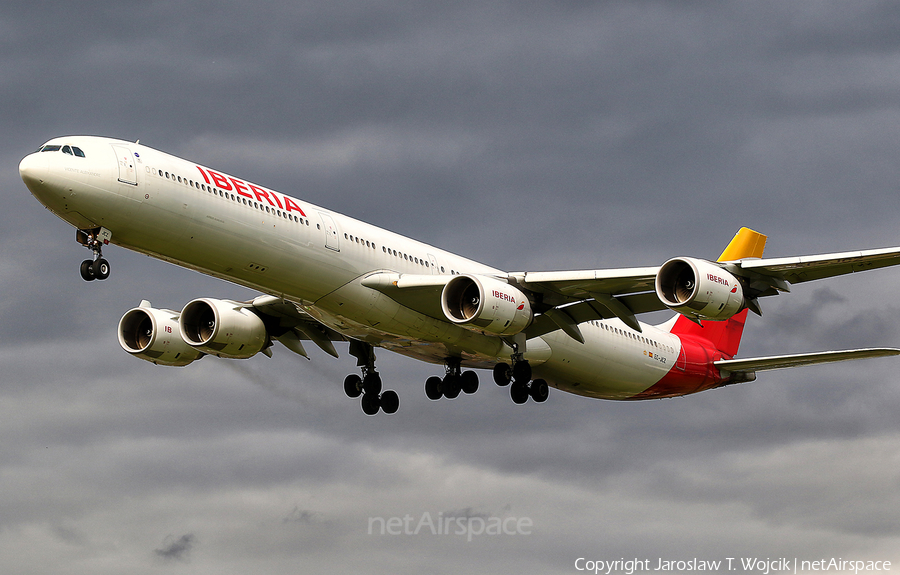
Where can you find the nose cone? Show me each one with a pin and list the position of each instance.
(33, 170)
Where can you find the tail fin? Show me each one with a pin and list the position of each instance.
(726, 335)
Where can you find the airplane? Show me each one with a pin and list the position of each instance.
(324, 277)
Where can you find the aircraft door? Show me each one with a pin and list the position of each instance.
(434, 266)
(331, 232)
(126, 160)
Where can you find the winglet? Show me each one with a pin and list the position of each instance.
(745, 244)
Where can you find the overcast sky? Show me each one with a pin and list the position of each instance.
(529, 136)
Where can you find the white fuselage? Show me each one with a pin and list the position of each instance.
(202, 219)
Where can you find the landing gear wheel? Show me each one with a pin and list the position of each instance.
(539, 390)
(372, 383)
(451, 386)
(433, 388)
(87, 270)
(101, 269)
(519, 392)
(370, 403)
(502, 374)
(353, 385)
(469, 382)
(390, 402)
(521, 371)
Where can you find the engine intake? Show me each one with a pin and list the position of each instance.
(486, 304)
(154, 335)
(699, 289)
(223, 328)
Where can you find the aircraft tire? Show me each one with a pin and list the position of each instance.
(390, 402)
(87, 270)
(433, 388)
(521, 371)
(451, 386)
(469, 382)
(518, 392)
(101, 269)
(502, 374)
(353, 386)
(539, 390)
(370, 403)
(372, 383)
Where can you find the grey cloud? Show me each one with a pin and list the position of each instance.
(176, 549)
(527, 135)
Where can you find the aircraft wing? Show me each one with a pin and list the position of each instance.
(754, 364)
(622, 293)
(805, 268)
(418, 292)
(581, 284)
(569, 298)
(597, 294)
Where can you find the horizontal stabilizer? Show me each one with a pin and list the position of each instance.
(754, 364)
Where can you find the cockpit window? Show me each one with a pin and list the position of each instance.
(71, 150)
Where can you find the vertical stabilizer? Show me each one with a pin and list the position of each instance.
(726, 335)
(745, 244)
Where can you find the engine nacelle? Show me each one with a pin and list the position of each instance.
(153, 335)
(699, 289)
(223, 328)
(486, 304)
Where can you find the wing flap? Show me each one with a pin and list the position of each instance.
(296, 325)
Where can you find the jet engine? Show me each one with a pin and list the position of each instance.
(486, 304)
(153, 335)
(223, 328)
(699, 289)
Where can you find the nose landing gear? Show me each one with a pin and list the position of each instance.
(96, 268)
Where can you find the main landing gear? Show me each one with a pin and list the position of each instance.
(96, 268)
(522, 386)
(369, 385)
(454, 382)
